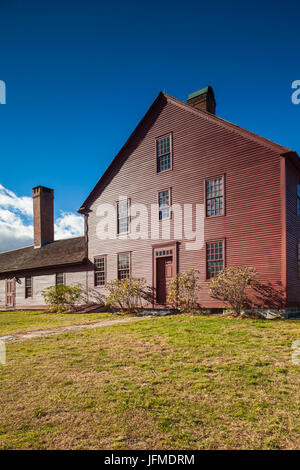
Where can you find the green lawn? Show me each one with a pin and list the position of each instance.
(183, 382)
(21, 321)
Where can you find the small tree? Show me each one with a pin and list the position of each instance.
(126, 294)
(59, 298)
(183, 290)
(231, 285)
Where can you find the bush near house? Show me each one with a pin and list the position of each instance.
(126, 294)
(183, 290)
(60, 298)
(231, 286)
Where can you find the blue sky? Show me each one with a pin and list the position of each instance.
(81, 74)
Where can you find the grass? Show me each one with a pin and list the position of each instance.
(181, 382)
(22, 321)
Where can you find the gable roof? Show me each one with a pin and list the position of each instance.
(230, 126)
(164, 97)
(108, 171)
(57, 253)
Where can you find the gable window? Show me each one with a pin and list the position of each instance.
(214, 258)
(123, 265)
(123, 215)
(59, 279)
(164, 201)
(28, 287)
(298, 198)
(100, 271)
(163, 154)
(214, 194)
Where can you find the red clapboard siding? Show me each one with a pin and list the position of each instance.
(202, 149)
(292, 234)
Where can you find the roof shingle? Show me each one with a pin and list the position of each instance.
(60, 252)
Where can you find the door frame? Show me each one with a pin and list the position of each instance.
(166, 246)
(13, 281)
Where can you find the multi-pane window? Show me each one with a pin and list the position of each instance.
(164, 204)
(123, 265)
(99, 267)
(123, 216)
(214, 196)
(214, 258)
(28, 287)
(298, 198)
(163, 154)
(59, 279)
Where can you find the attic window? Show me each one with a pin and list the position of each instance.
(163, 154)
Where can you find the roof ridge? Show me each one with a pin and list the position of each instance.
(32, 246)
(230, 125)
(66, 251)
(16, 249)
(62, 239)
(234, 128)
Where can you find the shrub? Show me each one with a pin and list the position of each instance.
(183, 290)
(231, 286)
(59, 298)
(126, 294)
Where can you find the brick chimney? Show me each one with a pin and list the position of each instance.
(203, 99)
(43, 217)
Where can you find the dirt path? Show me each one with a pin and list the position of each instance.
(65, 329)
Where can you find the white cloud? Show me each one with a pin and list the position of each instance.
(10, 200)
(68, 225)
(16, 222)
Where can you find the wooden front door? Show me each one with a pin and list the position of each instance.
(10, 292)
(164, 273)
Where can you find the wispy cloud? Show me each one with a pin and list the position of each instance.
(21, 204)
(16, 221)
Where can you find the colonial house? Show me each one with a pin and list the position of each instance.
(207, 194)
(25, 272)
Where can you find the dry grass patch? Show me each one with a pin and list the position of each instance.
(176, 382)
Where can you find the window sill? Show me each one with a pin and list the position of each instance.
(163, 171)
(214, 216)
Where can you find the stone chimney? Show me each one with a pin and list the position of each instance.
(43, 216)
(203, 99)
